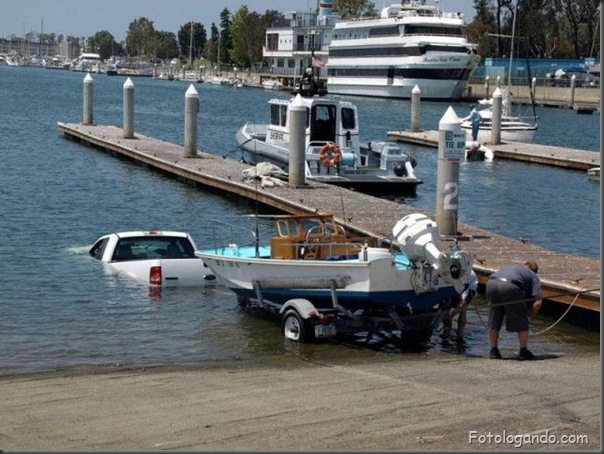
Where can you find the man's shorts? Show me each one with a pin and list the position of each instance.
(506, 300)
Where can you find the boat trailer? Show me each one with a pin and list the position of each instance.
(302, 321)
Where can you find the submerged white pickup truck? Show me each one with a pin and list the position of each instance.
(160, 259)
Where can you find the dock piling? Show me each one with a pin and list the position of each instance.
(297, 134)
(87, 96)
(451, 145)
(571, 99)
(128, 109)
(487, 90)
(191, 111)
(415, 100)
(496, 117)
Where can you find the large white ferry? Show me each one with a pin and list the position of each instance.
(410, 44)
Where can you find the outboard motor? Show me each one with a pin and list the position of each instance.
(418, 237)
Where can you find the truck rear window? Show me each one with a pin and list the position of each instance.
(153, 247)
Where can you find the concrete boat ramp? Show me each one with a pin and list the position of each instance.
(566, 279)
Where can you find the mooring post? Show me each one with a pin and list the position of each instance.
(534, 86)
(297, 142)
(498, 83)
(415, 99)
(571, 99)
(191, 111)
(487, 82)
(451, 146)
(128, 109)
(87, 106)
(496, 116)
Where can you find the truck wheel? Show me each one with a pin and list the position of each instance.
(294, 327)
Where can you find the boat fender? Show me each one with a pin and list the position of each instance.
(304, 307)
(399, 169)
(330, 155)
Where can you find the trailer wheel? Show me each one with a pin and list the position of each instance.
(294, 327)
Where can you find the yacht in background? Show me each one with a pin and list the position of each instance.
(88, 62)
(410, 44)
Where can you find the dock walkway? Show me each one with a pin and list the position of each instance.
(519, 151)
(566, 279)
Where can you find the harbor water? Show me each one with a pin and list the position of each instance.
(60, 309)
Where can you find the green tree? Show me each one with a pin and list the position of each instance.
(247, 34)
(140, 40)
(104, 44)
(166, 45)
(211, 48)
(199, 39)
(225, 36)
(351, 9)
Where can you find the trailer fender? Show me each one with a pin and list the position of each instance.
(304, 307)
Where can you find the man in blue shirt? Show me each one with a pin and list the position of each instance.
(474, 118)
(514, 292)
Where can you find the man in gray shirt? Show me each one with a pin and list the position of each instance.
(514, 292)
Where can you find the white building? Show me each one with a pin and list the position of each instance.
(291, 44)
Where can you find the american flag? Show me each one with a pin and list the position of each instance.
(317, 63)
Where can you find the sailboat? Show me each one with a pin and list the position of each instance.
(513, 128)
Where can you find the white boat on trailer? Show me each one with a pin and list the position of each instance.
(314, 273)
(333, 152)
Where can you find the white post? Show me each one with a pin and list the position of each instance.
(87, 106)
(128, 109)
(451, 145)
(496, 117)
(534, 86)
(571, 100)
(191, 111)
(415, 99)
(487, 83)
(498, 81)
(297, 142)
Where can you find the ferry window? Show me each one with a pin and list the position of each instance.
(384, 31)
(348, 118)
(432, 30)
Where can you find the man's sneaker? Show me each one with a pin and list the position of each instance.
(525, 355)
(494, 353)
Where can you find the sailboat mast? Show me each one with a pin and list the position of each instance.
(191, 47)
(508, 107)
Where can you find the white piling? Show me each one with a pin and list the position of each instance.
(571, 99)
(496, 117)
(451, 146)
(191, 111)
(87, 105)
(128, 109)
(498, 81)
(415, 100)
(297, 142)
(534, 86)
(487, 90)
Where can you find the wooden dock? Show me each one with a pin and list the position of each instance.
(519, 151)
(566, 279)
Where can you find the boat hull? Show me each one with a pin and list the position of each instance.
(399, 89)
(369, 181)
(380, 283)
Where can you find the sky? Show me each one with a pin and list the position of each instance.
(86, 17)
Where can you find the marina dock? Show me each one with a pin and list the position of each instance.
(566, 279)
(519, 151)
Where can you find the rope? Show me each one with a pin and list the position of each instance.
(561, 317)
(543, 330)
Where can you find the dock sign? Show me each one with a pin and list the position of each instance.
(455, 144)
